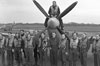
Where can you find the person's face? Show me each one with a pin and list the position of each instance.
(54, 3)
(36, 32)
(42, 35)
(17, 35)
(27, 33)
(9, 35)
(83, 36)
(97, 37)
(22, 32)
(53, 35)
(74, 35)
(63, 36)
(29, 36)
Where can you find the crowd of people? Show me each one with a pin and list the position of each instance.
(36, 48)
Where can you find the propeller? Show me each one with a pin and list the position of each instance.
(40, 8)
(66, 11)
(61, 32)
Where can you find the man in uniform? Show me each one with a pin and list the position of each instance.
(42, 47)
(17, 49)
(35, 48)
(96, 51)
(29, 50)
(53, 44)
(2, 49)
(23, 39)
(54, 11)
(74, 54)
(63, 49)
(10, 50)
(83, 49)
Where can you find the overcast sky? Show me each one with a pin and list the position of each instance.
(86, 11)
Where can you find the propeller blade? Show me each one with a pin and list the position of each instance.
(40, 8)
(60, 31)
(66, 11)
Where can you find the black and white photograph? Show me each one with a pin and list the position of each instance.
(49, 32)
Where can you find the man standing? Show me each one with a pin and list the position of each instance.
(53, 44)
(83, 49)
(96, 51)
(23, 39)
(35, 48)
(2, 49)
(29, 50)
(42, 47)
(10, 50)
(63, 51)
(74, 54)
(54, 11)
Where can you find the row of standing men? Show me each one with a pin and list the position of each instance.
(26, 49)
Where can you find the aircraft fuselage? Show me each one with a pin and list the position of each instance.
(53, 23)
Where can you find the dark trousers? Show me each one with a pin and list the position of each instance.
(9, 57)
(29, 56)
(97, 58)
(2, 53)
(41, 51)
(83, 58)
(53, 57)
(18, 56)
(62, 56)
(74, 56)
(36, 56)
(61, 24)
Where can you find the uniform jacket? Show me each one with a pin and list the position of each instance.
(2, 42)
(74, 43)
(64, 45)
(43, 43)
(54, 11)
(83, 45)
(17, 42)
(10, 42)
(29, 43)
(96, 45)
(53, 43)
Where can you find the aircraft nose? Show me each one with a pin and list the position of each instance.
(53, 23)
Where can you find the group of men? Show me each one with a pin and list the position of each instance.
(29, 49)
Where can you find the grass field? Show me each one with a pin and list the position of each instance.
(92, 30)
(89, 29)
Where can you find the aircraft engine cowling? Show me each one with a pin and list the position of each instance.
(53, 23)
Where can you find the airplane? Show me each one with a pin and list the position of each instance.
(53, 22)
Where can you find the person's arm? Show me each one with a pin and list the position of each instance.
(59, 44)
(88, 45)
(49, 12)
(39, 42)
(78, 46)
(7, 42)
(33, 42)
(2, 44)
(94, 47)
(13, 46)
(58, 11)
(67, 46)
